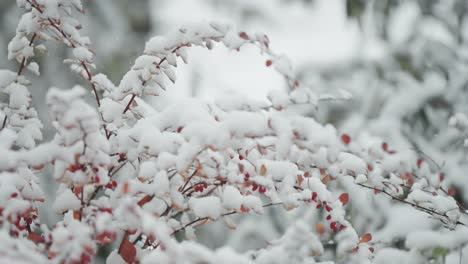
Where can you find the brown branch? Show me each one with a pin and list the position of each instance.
(129, 103)
(83, 64)
(23, 61)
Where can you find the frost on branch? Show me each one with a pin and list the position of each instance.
(140, 175)
(18, 114)
(78, 130)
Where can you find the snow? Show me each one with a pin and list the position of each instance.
(402, 22)
(206, 207)
(65, 201)
(430, 239)
(19, 95)
(152, 170)
(232, 198)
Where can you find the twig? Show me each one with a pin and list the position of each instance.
(424, 209)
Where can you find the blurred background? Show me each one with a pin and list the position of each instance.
(404, 62)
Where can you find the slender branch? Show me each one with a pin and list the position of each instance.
(23, 61)
(207, 218)
(83, 64)
(424, 209)
(129, 103)
(4, 122)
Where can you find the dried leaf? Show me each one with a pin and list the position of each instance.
(320, 228)
(263, 170)
(365, 238)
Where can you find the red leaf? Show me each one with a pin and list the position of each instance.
(365, 238)
(441, 176)
(385, 146)
(452, 192)
(126, 187)
(344, 198)
(346, 139)
(127, 250)
(419, 163)
(243, 35)
(35, 238)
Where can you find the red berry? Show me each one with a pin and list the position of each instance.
(85, 258)
(73, 168)
(314, 196)
(371, 249)
(268, 63)
(344, 198)
(14, 195)
(328, 217)
(262, 189)
(179, 129)
(385, 146)
(318, 206)
(441, 176)
(241, 157)
(346, 139)
(452, 192)
(243, 35)
(255, 187)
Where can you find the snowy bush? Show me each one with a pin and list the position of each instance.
(142, 179)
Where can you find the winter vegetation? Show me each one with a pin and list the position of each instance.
(348, 159)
